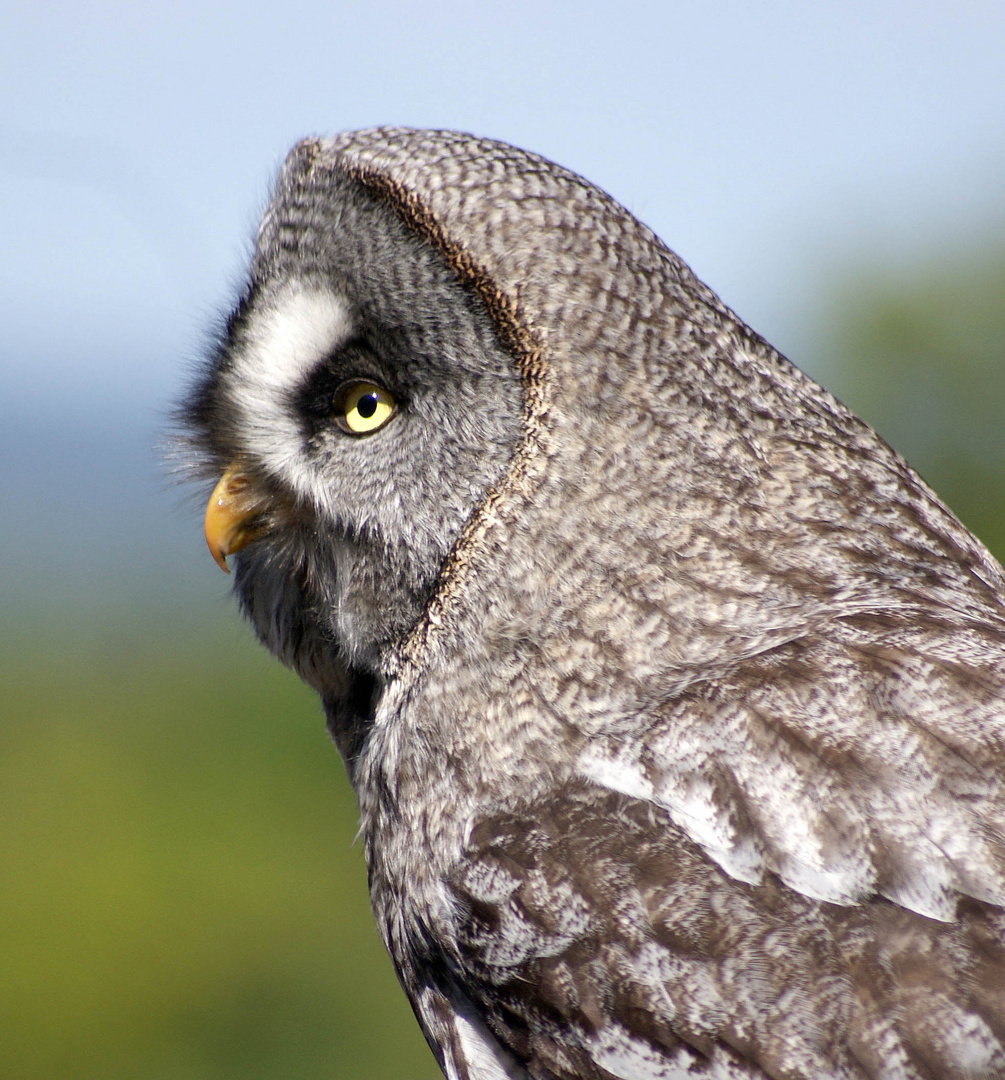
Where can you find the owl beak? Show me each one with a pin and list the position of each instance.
(233, 515)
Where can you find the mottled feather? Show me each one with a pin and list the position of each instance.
(672, 696)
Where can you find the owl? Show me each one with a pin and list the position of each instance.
(673, 699)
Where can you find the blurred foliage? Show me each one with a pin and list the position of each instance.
(180, 894)
(920, 354)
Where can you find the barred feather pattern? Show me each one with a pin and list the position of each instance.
(683, 755)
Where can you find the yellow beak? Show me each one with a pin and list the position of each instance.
(230, 515)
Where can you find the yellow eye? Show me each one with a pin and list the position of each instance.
(361, 407)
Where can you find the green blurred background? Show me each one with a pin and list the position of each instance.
(919, 352)
(180, 895)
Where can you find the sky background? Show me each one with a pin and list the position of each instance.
(139, 141)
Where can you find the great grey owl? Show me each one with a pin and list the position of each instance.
(673, 699)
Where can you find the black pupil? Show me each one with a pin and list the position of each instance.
(367, 405)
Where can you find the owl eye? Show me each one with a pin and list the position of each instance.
(362, 407)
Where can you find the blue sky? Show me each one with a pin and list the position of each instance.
(139, 142)
(761, 141)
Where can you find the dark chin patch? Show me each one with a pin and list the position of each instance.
(349, 715)
(271, 585)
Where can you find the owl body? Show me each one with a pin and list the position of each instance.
(672, 697)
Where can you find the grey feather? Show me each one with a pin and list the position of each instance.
(674, 700)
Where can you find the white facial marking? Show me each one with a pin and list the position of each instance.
(285, 341)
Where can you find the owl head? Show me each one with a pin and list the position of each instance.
(466, 390)
(360, 405)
